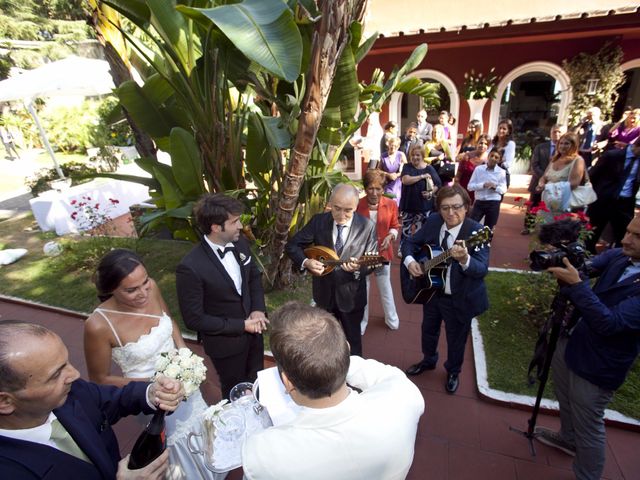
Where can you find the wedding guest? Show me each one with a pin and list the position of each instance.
(384, 212)
(53, 424)
(420, 182)
(467, 162)
(565, 166)
(627, 130)
(390, 131)
(589, 131)
(470, 140)
(391, 165)
(503, 140)
(410, 139)
(425, 129)
(489, 182)
(132, 328)
(339, 433)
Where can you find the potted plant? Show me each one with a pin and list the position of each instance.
(479, 88)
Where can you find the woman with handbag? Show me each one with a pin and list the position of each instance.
(564, 174)
(468, 161)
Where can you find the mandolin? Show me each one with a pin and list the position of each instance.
(329, 258)
(433, 262)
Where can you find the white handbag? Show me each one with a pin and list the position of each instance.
(583, 195)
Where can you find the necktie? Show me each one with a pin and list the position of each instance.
(444, 244)
(223, 251)
(553, 150)
(65, 442)
(339, 240)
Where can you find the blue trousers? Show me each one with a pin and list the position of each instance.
(457, 329)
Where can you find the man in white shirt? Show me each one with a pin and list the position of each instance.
(340, 433)
(54, 425)
(490, 183)
(220, 292)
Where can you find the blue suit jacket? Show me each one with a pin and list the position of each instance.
(467, 286)
(606, 341)
(88, 414)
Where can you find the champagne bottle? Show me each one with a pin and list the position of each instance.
(150, 444)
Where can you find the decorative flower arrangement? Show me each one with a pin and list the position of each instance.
(90, 217)
(540, 214)
(477, 86)
(182, 365)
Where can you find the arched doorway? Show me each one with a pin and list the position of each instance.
(630, 90)
(403, 108)
(540, 82)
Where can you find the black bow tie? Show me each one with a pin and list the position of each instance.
(223, 251)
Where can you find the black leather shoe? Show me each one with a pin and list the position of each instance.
(452, 383)
(418, 368)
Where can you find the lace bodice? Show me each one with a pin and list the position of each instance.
(137, 359)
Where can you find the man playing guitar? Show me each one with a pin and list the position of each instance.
(464, 294)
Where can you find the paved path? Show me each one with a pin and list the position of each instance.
(460, 436)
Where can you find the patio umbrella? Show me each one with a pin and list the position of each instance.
(71, 76)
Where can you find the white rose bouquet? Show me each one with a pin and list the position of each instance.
(182, 365)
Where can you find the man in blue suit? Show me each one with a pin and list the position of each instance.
(464, 295)
(593, 360)
(54, 425)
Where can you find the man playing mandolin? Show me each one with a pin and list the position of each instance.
(463, 294)
(343, 290)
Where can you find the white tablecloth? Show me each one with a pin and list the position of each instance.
(54, 210)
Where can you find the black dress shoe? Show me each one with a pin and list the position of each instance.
(452, 383)
(418, 368)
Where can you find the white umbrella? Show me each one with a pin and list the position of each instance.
(70, 76)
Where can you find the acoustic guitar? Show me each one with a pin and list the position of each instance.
(329, 258)
(433, 262)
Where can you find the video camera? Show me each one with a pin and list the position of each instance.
(563, 235)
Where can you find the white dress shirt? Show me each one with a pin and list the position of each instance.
(40, 434)
(481, 174)
(229, 262)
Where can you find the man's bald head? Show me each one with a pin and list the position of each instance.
(344, 201)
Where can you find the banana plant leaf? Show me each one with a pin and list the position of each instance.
(143, 111)
(342, 103)
(186, 163)
(263, 30)
(170, 190)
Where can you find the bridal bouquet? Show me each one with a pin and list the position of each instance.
(182, 365)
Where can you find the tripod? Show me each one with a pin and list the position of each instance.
(559, 309)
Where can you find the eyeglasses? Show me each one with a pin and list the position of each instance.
(448, 208)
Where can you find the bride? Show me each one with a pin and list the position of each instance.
(132, 327)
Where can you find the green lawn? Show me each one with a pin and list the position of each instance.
(509, 339)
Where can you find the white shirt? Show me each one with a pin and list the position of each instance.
(40, 434)
(345, 231)
(229, 263)
(481, 174)
(367, 436)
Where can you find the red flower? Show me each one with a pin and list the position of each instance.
(74, 215)
(88, 198)
(588, 226)
(82, 204)
(97, 206)
(114, 201)
(73, 202)
(528, 203)
(518, 199)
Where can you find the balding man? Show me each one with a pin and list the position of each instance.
(342, 292)
(54, 425)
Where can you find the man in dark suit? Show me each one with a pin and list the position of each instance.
(220, 293)
(54, 425)
(615, 178)
(594, 360)
(410, 140)
(342, 292)
(464, 295)
(542, 153)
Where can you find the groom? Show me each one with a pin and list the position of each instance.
(220, 292)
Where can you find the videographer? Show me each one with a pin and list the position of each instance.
(592, 361)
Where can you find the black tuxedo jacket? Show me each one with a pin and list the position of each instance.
(608, 175)
(539, 163)
(209, 301)
(87, 414)
(338, 289)
(467, 286)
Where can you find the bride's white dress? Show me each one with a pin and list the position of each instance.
(137, 360)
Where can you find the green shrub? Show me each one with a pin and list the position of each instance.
(69, 128)
(76, 171)
(110, 129)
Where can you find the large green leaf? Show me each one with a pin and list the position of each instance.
(263, 30)
(257, 157)
(342, 103)
(277, 133)
(144, 112)
(134, 10)
(157, 89)
(149, 182)
(170, 190)
(186, 163)
(176, 31)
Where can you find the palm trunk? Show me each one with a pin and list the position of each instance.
(330, 37)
